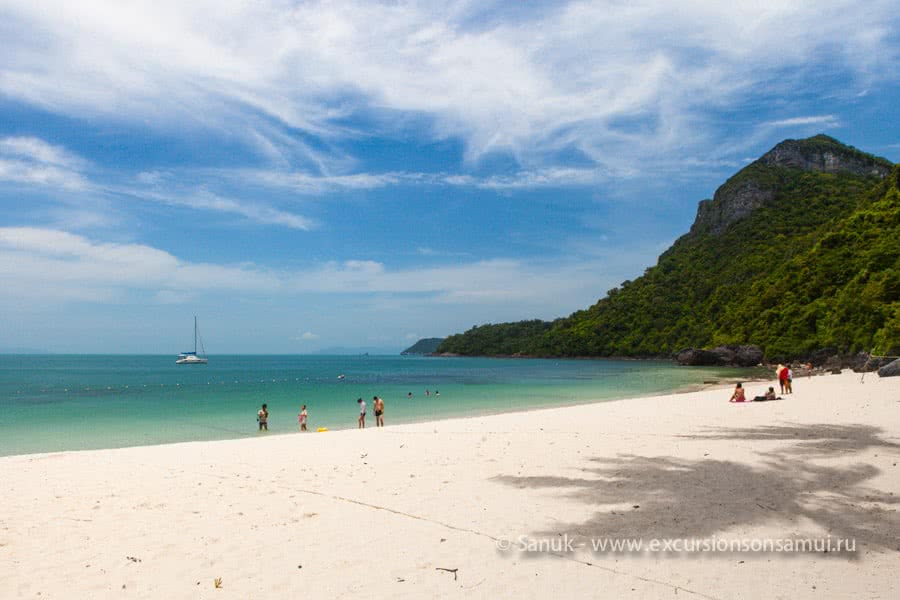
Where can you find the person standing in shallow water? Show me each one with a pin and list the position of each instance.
(263, 418)
(301, 418)
(362, 413)
(378, 407)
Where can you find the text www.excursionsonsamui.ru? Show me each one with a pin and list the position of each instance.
(610, 545)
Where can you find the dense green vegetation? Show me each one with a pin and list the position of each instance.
(816, 266)
(424, 346)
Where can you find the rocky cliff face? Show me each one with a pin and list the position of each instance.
(729, 205)
(745, 192)
(825, 154)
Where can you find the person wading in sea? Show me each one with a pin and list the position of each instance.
(362, 413)
(263, 417)
(378, 407)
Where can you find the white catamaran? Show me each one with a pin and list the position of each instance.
(191, 358)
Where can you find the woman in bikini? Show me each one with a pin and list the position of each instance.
(738, 395)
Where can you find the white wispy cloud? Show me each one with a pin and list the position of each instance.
(37, 150)
(33, 161)
(577, 75)
(30, 160)
(202, 199)
(309, 183)
(820, 120)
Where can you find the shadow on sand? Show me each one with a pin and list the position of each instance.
(679, 498)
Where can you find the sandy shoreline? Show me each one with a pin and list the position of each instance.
(393, 512)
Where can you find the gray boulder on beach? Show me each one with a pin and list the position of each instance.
(890, 370)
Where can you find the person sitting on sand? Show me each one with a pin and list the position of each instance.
(301, 418)
(362, 413)
(263, 417)
(770, 395)
(738, 395)
(378, 407)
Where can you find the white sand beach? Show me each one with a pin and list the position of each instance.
(428, 510)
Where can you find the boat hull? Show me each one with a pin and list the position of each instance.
(191, 360)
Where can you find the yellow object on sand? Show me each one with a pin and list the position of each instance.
(321, 429)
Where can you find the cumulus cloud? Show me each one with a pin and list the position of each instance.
(34, 260)
(75, 267)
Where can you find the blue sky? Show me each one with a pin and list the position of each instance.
(313, 175)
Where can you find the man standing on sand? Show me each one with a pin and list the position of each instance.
(378, 407)
(263, 417)
(362, 413)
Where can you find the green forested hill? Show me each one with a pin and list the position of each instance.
(799, 251)
(424, 346)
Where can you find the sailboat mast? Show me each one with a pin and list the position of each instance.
(195, 334)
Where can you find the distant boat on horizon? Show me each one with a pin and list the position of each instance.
(191, 358)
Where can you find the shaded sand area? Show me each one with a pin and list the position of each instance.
(419, 510)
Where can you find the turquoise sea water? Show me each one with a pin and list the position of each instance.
(58, 402)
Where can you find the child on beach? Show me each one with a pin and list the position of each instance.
(263, 418)
(362, 413)
(738, 395)
(301, 418)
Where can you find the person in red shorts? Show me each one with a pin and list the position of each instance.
(783, 378)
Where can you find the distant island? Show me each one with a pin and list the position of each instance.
(424, 346)
(797, 255)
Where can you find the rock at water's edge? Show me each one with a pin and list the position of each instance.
(721, 356)
(695, 357)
